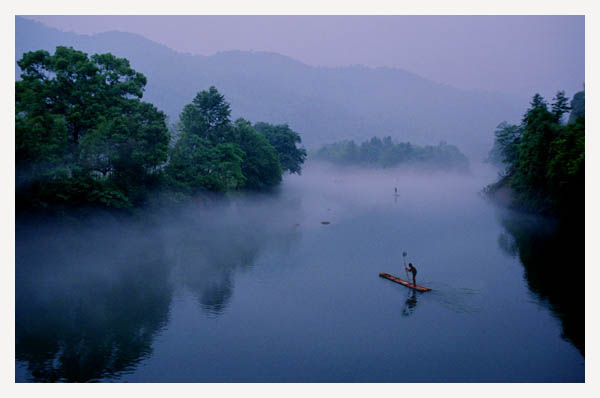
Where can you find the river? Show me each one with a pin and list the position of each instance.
(258, 288)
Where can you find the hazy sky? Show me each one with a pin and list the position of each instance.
(514, 54)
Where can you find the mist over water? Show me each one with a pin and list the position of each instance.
(259, 288)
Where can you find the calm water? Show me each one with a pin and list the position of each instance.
(257, 289)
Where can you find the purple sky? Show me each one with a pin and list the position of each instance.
(513, 54)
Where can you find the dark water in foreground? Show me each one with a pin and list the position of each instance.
(259, 290)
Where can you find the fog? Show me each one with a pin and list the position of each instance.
(202, 243)
(282, 282)
(283, 285)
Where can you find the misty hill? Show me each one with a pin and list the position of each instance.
(322, 104)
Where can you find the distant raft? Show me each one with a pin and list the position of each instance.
(325, 222)
(403, 282)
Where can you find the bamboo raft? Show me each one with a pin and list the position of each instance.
(403, 282)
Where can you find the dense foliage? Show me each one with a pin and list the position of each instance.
(212, 153)
(82, 134)
(260, 164)
(284, 140)
(384, 153)
(83, 137)
(544, 159)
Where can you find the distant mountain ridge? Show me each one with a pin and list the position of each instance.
(322, 104)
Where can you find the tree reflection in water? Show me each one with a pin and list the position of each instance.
(212, 245)
(88, 302)
(553, 256)
(91, 296)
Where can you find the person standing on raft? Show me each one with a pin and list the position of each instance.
(412, 270)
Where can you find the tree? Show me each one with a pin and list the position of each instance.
(80, 89)
(203, 158)
(372, 150)
(81, 130)
(566, 168)
(207, 116)
(529, 180)
(260, 166)
(545, 160)
(41, 142)
(506, 145)
(284, 140)
(196, 165)
(537, 101)
(560, 106)
(212, 154)
(384, 153)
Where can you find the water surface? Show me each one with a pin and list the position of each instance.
(258, 289)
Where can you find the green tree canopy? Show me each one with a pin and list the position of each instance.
(506, 146)
(246, 158)
(539, 130)
(545, 159)
(560, 106)
(82, 133)
(284, 140)
(260, 166)
(83, 137)
(384, 153)
(208, 116)
(197, 165)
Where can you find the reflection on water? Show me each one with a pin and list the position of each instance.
(258, 289)
(88, 305)
(410, 303)
(211, 245)
(215, 297)
(553, 257)
(90, 299)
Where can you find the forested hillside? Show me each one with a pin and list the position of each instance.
(322, 104)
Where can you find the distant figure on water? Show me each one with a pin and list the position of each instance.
(412, 270)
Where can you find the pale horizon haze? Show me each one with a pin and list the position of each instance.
(516, 55)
